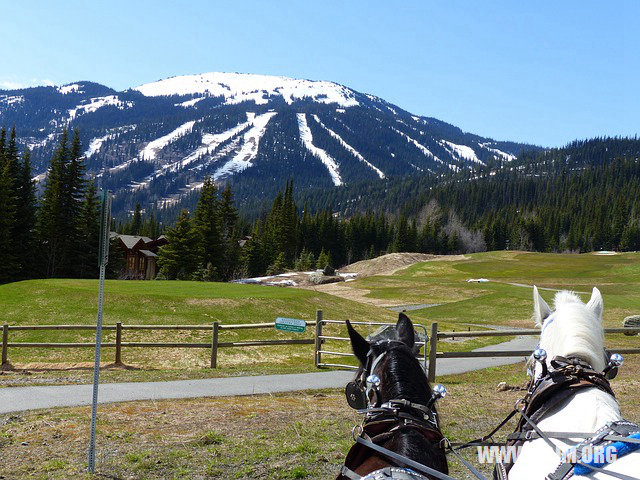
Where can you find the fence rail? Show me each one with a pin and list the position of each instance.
(429, 347)
(215, 328)
(436, 335)
(321, 339)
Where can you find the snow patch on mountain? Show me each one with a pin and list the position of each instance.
(239, 87)
(419, 146)
(461, 151)
(211, 141)
(151, 150)
(242, 160)
(307, 140)
(189, 103)
(507, 156)
(96, 143)
(97, 103)
(349, 148)
(11, 99)
(71, 88)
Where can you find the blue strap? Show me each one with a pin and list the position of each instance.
(617, 449)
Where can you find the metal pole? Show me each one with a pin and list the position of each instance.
(105, 225)
(433, 345)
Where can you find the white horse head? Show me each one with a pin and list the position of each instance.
(572, 328)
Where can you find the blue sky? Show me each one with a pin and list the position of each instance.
(540, 72)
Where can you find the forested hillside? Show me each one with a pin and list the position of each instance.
(579, 198)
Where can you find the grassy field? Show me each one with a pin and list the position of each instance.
(288, 436)
(164, 302)
(498, 301)
(285, 436)
(462, 306)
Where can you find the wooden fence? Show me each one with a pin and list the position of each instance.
(436, 335)
(319, 341)
(322, 338)
(215, 328)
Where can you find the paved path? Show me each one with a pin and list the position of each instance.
(16, 399)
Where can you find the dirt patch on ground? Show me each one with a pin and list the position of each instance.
(343, 290)
(383, 265)
(392, 262)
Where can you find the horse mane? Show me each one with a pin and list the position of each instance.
(403, 377)
(573, 329)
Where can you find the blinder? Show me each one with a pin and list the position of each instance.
(363, 391)
(356, 395)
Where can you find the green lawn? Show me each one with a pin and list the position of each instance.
(63, 301)
(498, 302)
(463, 305)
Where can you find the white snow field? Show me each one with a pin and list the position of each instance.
(348, 147)
(324, 157)
(242, 160)
(241, 87)
(97, 103)
(461, 151)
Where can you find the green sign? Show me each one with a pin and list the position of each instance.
(290, 325)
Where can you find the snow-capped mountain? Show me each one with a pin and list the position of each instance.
(154, 143)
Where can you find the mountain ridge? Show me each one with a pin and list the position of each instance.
(154, 143)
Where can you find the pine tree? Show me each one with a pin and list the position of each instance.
(8, 260)
(207, 224)
(230, 235)
(177, 259)
(90, 230)
(136, 221)
(24, 233)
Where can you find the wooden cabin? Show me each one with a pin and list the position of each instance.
(140, 255)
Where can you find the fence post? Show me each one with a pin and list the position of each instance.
(318, 355)
(433, 345)
(214, 345)
(5, 341)
(118, 343)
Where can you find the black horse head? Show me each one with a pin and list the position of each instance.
(401, 378)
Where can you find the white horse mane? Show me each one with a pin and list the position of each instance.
(573, 328)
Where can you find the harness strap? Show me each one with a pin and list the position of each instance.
(530, 435)
(403, 460)
(470, 467)
(552, 476)
(347, 472)
(482, 440)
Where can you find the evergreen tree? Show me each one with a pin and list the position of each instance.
(24, 232)
(177, 259)
(90, 231)
(136, 222)
(8, 260)
(56, 228)
(230, 235)
(207, 222)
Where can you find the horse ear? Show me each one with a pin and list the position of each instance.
(540, 308)
(359, 345)
(404, 331)
(596, 304)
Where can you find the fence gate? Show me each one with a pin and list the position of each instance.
(323, 337)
